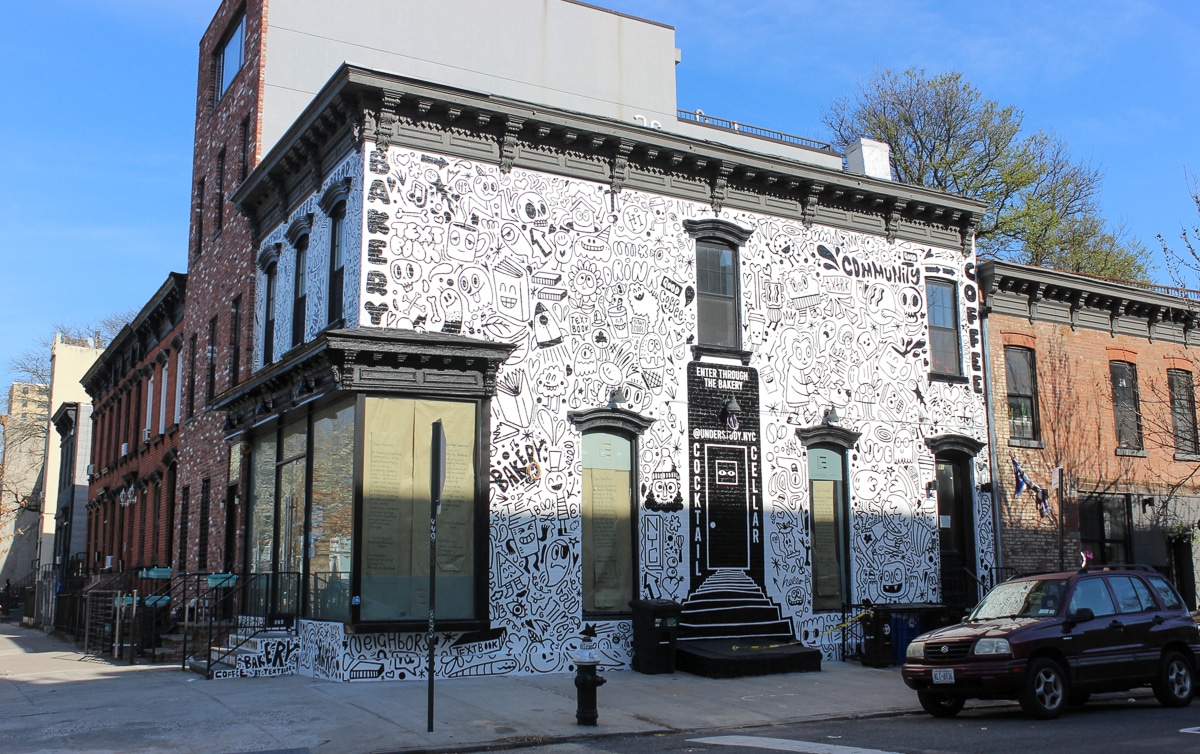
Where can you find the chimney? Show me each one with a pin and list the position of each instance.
(870, 158)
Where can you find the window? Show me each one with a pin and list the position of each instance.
(717, 310)
(230, 56)
(245, 166)
(1104, 529)
(268, 337)
(1165, 592)
(181, 564)
(300, 292)
(830, 545)
(210, 383)
(235, 340)
(944, 336)
(1183, 410)
(337, 262)
(202, 543)
(199, 218)
(178, 386)
(331, 528)
(162, 398)
(1021, 370)
(191, 399)
(1126, 413)
(394, 556)
(608, 553)
(1132, 595)
(149, 406)
(1092, 593)
(220, 193)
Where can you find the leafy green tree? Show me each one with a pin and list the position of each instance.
(945, 134)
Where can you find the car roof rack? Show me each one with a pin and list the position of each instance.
(1114, 567)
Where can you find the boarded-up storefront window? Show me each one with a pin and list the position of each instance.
(607, 522)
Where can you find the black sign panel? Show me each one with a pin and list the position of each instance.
(724, 452)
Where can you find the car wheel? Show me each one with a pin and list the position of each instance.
(1078, 698)
(940, 705)
(1174, 683)
(1045, 692)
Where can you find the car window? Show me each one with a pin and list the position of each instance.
(1165, 592)
(1132, 594)
(1094, 594)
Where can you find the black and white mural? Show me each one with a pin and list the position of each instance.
(598, 289)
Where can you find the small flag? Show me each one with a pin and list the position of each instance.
(1043, 502)
(1022, 480)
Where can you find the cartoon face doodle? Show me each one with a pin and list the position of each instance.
(463, 242)
(407, 274)
(486, 187)
(473, 283)
(912, 306)
(532, 210)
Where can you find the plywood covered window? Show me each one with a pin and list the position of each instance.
(608, 554)
(827, 490)
(394, 549)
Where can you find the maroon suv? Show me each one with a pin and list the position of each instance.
(1054, 639)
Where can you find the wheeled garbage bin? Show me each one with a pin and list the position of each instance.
(655, 629)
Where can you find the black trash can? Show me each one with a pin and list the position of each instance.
(877, 638)
(655, 629)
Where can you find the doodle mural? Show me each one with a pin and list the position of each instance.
(597, 290)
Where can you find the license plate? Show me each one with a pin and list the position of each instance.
(943, 675)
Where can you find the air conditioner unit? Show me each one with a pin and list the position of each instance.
(146, 435)
(91, 469)
(108, 561)
(124, 448)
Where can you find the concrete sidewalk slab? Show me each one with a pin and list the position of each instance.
(55, 699)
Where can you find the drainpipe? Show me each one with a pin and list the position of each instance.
(991, 422)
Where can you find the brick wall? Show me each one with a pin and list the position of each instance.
(220, 266)
(1078, 431)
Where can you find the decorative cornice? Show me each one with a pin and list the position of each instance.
(269, 255)
(723, 230)
(827, 434)
(605, 417)
(954, 443)
(299, 228)
(395, 110)
(336, 193)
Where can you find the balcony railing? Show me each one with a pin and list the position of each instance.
(698, 117)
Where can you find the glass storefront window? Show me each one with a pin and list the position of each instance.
(262, 505)
(332, 517)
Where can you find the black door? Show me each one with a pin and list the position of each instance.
(956, 531)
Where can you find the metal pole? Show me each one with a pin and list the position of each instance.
(437, 478)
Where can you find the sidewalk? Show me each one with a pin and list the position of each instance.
(54, 699)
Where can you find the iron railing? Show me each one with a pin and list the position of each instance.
(245, 605)
(700, 118)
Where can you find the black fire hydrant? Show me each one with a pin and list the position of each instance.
(587, 680)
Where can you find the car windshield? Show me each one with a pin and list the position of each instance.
(1022, 599)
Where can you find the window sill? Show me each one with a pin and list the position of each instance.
(1020, 442)
(1189, 457)
(1132, 452)
(956, 379)
(725, 352)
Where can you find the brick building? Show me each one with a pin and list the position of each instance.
(672, 358)
(137, 387)
(1097, 378)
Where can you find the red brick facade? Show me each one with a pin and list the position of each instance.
(221, 279)
(136, 387)
(1075, 327)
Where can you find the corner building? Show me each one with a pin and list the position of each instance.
(670, 360)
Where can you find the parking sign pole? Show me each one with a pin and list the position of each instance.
(437, 479)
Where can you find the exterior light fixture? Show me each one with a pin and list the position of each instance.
(732, 409)
(616, 396)
(831, 416)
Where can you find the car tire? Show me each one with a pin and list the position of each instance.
(1046, 690)
(940, 705)
(1175, 681)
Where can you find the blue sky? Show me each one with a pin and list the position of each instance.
(96, 138)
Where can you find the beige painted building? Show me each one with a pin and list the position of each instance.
(20, 468)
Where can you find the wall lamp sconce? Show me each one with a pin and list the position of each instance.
(831, 416)
(1147, 502)
(932, 487)
(732, 410)
(616, 396)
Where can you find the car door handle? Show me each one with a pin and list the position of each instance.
(1116, 624)
(1157, 620)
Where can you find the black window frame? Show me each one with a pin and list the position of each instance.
(268, 334)
(222, 79)
(199, 218)
(1127, 412)
(1028, 399)
(220, 218)
(191, 384)
(729, 294)
(950, 334)
(1097, 513)
(235, 340)
(337, 265)
(210, 381)
(1181, 389)
(299, 290)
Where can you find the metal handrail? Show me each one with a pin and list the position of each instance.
(256, 595)
(700, 118)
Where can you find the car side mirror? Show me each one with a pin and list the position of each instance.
(1081, 615)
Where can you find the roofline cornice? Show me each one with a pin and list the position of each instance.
(376, 105)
